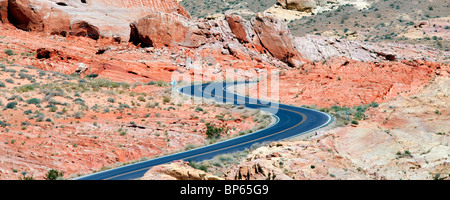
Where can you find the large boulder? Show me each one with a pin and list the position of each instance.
(23, 15)
(178, 170)
(276, 38)
(299, 5)
(240, 27)
(317, 48)
(166, 29)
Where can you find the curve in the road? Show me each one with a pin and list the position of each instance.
(291, 121)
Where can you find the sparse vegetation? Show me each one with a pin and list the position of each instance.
(166, 99)
(53, 174)
(11, 105)
(35, 101)
(214, 132)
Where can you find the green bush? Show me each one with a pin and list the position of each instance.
(9, 52)
(79, 101)
(103, 83)
(166, 99)
(25, 88)
(34, 101)
(11, 105)
(214, 132)
(53, 174)
(141, 98)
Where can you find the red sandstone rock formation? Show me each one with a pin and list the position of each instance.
(238, 26)
(277, 39)
(166, 29)
(108, 18)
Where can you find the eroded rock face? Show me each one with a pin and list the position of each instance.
(299, 5)
(275, 36)
(240, 28)
(166, 29)
(23, 15)
(85, 29)
(111, 18)
(318, 48)
(178, 170)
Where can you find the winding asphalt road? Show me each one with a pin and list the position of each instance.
(291, 121)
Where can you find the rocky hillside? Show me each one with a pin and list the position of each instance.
(245, 8)
(389, 20)
(417, 22)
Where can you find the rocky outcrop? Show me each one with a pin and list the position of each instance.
(299, 5)
(166, 29)
(234, 35)
(23, 15)
(85, 29)
(178, 170)
(308, 5)
(257, 171)
(155, 23)
(240, 28)
(317, 48)
(108, 18)
(275, 36)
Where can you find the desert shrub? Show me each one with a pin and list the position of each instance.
(53, 109)
(197, 165)
(151, 105)
(198, 109)
(125, 86)
(27, 112)
(53, 174)
(141, 98)
(374, 104)
(214, 132)
(91, 76)
(171, 108)
(25, 76)
(4, 124)
(25, 88)
(122, 106)
(9, 52)
(11, 105)
(166, 99)
(190, 146)
(79, 101)
(122, 132)
(161, 84)
(227, 159)
(15, 97)
(2, 84)
(40, 117)
(104, 83)
(34, 101)
(27, 178)
(78, 115)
